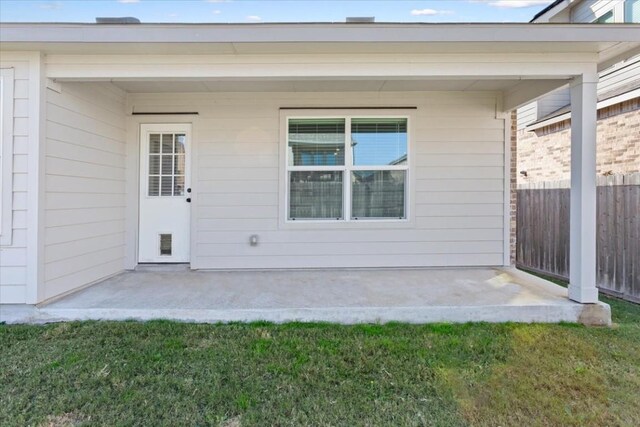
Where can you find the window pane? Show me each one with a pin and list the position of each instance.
(154, 185)
(178, 186)
(315, 195)
(167, 143)
(179, 148)
(632, 11)
(379, 141)
(167, 165)
(607, 18)
(154, 143)
(167, 186)
(316, 142)
(154, 165)
(378, 194)
(178, 165)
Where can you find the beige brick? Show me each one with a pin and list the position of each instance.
(545, 153)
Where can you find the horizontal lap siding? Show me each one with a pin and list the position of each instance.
(588, 11)
(13, 258)
(626, 73)
(458, 193)
(553, 101)
(85, 185)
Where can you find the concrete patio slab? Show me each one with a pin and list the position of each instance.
(341, 296)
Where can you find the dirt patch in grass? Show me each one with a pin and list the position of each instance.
(64, 420)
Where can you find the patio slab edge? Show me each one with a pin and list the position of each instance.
(598, 314)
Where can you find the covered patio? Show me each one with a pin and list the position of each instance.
(233, 92)
(344, 296)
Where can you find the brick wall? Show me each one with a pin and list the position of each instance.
(545, 153)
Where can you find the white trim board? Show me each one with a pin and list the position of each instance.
(6, 155)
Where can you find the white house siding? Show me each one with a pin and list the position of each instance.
(527, 114)
(85, 185)
(622, 74)
(590, 10)
(13, 257)
(554, 101)
(458, 152)
(545, 105)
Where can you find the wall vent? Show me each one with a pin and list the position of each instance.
(120, 20)
(360, 19)
(165, 244)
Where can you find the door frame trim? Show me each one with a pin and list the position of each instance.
(132, 209)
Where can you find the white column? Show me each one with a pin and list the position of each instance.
(582, 274)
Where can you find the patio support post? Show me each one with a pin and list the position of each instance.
(582, 258)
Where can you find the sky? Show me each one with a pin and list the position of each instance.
(224, 11)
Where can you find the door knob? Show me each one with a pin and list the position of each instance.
(189, 190)
(188, 199)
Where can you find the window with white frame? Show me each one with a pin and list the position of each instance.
(6, 154)
(632, 11)
(347, 168)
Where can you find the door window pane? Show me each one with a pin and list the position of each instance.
(379, 142)
(316, 142)
(167, 143)
(178, 186)
(167, 165)
(154, 185)
(178, 165)
(315, 195)
(154, 164)
(166, 185)
(180, 140)
(154, 143)
(378, 194)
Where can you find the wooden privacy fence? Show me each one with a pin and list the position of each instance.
(543, 232)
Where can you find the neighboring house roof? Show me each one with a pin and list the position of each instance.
(546, 9)
(400, 160)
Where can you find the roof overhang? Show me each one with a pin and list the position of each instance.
(608, 42)
(523, 61)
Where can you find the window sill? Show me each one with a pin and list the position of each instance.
(361, 224)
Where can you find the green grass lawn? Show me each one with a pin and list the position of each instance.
(166, 373)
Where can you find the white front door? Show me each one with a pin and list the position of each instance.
(165, 193)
